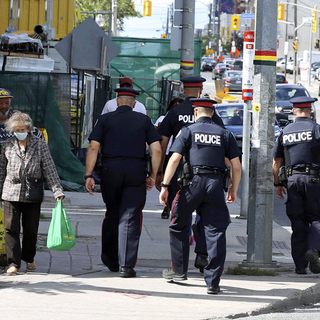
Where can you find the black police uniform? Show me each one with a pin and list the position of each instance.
(206, 145)
(299, 145)
(123, 135)
(181, 116)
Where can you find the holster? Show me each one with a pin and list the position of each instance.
(148, 163)
(185, 173)
(227, 179)
(283, 179)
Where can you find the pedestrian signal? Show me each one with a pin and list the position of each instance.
(295, 45)
(281, 11)
(235, 22)
(316, 43)
(314, 20)
(147, 8)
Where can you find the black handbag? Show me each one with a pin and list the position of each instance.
(34, 190)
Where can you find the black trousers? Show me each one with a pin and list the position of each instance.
(123, 187)
(29, 214)
(303, 210)
(205, 194)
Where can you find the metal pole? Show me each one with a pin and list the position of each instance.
(114, 16)
(187, 39)
(260, 217)
(295, 37)
(218, 33)
(310, 56)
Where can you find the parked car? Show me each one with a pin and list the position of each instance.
(218, 70)
(232, 117)
(281, 63)
(285, 92)
(208, 64)
(232, 80)
(236, 65)
(281, 78)
(290, 66)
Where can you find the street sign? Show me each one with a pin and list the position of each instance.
(248, 57)
(247, 16)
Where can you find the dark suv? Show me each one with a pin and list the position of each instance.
(236, 65)
(284, 92)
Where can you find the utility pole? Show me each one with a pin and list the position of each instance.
(210, 27)
(260, 217)
(187, 39)
(167, 25)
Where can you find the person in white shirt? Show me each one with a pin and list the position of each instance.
(111, 105)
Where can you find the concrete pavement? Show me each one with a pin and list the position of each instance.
(76, 285)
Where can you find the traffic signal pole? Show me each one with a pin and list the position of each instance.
(260, 215)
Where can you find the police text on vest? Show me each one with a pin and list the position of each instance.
(297, 137)
(208, 138)
(186, 118)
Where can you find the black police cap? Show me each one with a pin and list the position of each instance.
(193, 82)
(203, 102)
(302, 102)
(126, 92)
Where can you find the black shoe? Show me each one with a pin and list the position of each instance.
(165, 213)
(312, 255)
(112, 265)
(169, 274)
(213, 290)
(126, 272)
(301, 271)
(3, 260)
(201, 261)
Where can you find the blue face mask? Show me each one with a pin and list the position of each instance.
(21, 135)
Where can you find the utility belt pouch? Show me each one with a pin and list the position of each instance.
(283, 179)
(227, 179)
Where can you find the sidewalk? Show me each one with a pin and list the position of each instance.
(76, 285)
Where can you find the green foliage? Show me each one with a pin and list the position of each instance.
(238, 270)
(125, 9)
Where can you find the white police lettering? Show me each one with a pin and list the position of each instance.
(297, 137)
(208, 138)
(186, 118)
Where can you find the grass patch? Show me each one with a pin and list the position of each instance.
(238, 270)
(43, 217)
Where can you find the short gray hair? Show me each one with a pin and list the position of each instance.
(16, 119)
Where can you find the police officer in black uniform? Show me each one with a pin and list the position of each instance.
(180, 116)
(299, 146)
(123, 135)
(205, 144)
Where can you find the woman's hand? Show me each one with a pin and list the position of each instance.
(60, 198)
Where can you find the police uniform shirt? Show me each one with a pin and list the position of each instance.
(123, 133)
(301, 139)
(180, 116)
(206, 143)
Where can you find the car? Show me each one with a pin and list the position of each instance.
(281, 63)
(290, 66)
(236, 65)
(207, 64)
(281, 78)
(232, 80)
(285, 92)
(232, 117)
(218, 70)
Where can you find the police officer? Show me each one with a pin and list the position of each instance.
(299, 145)
(180, 116)
(123, 135)
(205, 145)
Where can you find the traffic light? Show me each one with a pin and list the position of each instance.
(316, 43)
(295, 45)
(314, 20)
(235, 22)
(281, 11)
(164, 36)
(147, 6)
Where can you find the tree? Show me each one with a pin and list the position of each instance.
(125, 9)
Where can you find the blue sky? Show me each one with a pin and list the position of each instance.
(154, 26)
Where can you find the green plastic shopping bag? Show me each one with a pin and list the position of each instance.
(60, 235)
(2, 242)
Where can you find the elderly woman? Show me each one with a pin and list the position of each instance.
(24, 158)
